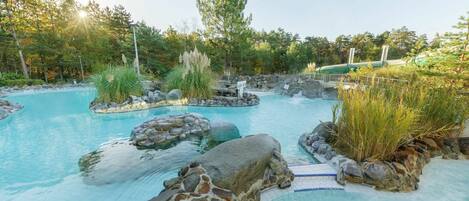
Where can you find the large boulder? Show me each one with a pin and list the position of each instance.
(164, 132)
(464, 145)
(330, 93)
(174, 94)
(305, 86)
(391, 176)
(226, 98)
(325, 130)
(377, 172)
(221, 131)
(235, 170)
(155, 96)
(450, 148)
(350, 171)
(120, 161)
(317, 142)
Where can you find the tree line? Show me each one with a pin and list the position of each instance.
(52, 40)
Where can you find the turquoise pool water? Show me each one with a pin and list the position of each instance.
(40, 145)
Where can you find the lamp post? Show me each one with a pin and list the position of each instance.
(137, 65)
(81, 69)
(82, 14)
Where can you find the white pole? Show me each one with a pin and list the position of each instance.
(136, 51)
(351, 55)
(384, 54)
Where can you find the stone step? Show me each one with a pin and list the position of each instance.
(312, 170)
(308, 177)
(315, 183)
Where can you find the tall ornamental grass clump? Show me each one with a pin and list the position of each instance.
(370, 126)
(441, 110)
(375, 119)
(193, 77)
(117, 84)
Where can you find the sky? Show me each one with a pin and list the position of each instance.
(328, 18)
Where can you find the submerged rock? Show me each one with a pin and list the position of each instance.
(235, 170)
(120, 161)
(7, 108)
(3, 114)
(221, 131)
(157, 145)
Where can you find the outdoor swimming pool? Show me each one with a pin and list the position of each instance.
(40, 147)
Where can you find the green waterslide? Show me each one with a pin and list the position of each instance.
(346, 68)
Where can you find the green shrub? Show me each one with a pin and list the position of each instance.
(194, 77)
(21, 82)
(117, 84)
(11, 76)
(412, 73)
(99, 67)
(13, 79)
(174, 78)
(370, 126)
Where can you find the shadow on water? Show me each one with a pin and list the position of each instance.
(120, 161)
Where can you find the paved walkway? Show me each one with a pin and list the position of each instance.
(307, 178)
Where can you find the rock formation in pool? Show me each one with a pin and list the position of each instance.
(235, 170)
(156, 145)
(7, 108)
(162, 132)
(154, 98)
(289, 85)
(226, 98)
(400, 173)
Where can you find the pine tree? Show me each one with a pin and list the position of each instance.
(458, 43)
(225, 24)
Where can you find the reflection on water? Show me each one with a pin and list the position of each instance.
(120, 161)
